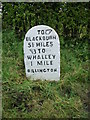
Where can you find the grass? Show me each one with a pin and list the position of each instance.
(23, 98)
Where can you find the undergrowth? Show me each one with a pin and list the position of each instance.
(23, 98)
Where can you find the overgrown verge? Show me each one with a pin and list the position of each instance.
(23, 98)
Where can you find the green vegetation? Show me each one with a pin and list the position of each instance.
(67, 98)
(44, 99)
(70, 20)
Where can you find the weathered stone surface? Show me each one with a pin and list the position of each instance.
(42, 53)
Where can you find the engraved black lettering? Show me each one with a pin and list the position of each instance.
(51, 62)
(43, 50)
(40, 38)
(33, 39)
(29, 57)
(53, 56)
(37, 38)
(28, 39)
(29, 44)
(38, 31)
(31, 63)
(39, 62)
(39, 50)
(32, 70)
(42, 32)
(47, 44)
(48, 70)
(43, 37)
(51, 44)
(28, 70)
(34, 56)
(40, 70)
(54, 37)
(44, 70)
(55, 70)
(38, 44)
(38, 57)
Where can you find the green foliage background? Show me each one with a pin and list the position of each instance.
(70, 20)
(67, 98)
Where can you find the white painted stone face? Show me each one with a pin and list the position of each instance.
(42, 53)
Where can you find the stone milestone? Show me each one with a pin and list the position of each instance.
(42, 53)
